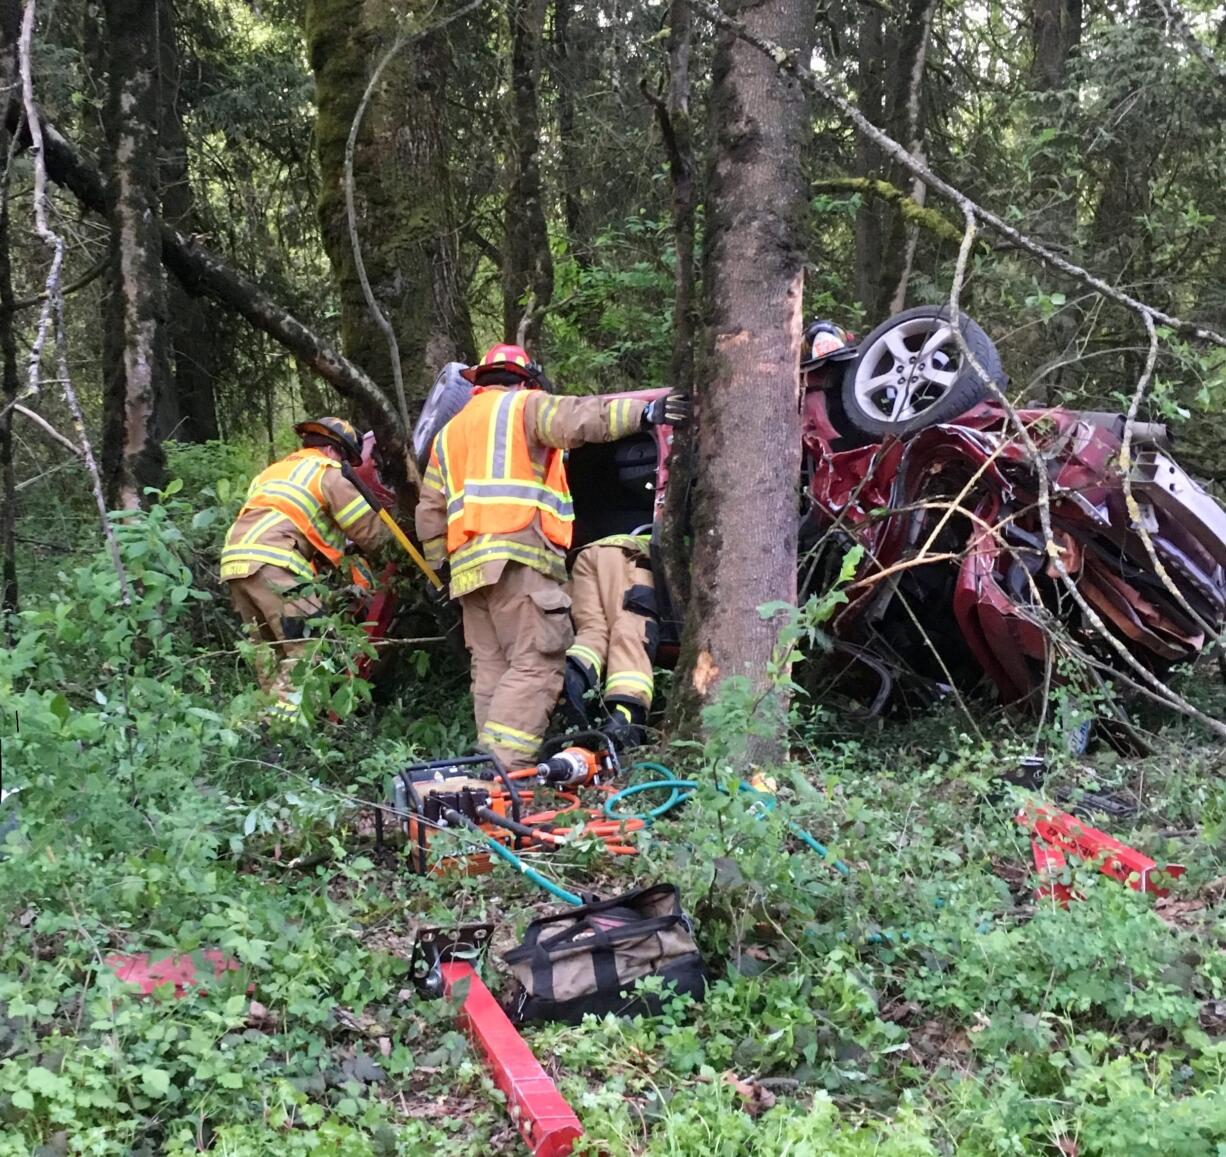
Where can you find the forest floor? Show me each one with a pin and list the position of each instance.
(925, 1003)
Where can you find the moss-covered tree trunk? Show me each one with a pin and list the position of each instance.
(527, 272)
(132, 456)
(748, 444)
(402, 187)
(191, 411)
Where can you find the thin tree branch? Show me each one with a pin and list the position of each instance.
(81, 282)
(1179, 21)
(49, 430)
(1054, 553)
(54, 306)
(351, 209)
(51, 239)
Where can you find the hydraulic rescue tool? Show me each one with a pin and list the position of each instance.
(507, 811)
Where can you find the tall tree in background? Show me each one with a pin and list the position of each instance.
(132, 456)
(892, 58)
(402, 188)
(527, 273)
(749, 425)
(1055, 37)
(190, 411)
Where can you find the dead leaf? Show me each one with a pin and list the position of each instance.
(705, 673)
(756, 1099)
(385, 1045)
(257, 1014)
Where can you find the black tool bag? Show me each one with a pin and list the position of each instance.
(588, 959)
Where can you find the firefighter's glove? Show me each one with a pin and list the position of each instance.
(440, 596)
(578, 682)
(674, 409)
(624, 729)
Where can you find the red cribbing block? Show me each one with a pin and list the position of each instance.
(1049, 863)
(1070, 836)
(545, 1121)
(137, 968)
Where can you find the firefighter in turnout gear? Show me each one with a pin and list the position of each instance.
(617, 631)
(297, 517)
(496, 508)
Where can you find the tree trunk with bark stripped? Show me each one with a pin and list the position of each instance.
(132, 456)
(748, 436)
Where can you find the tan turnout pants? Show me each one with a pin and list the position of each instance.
(517, 632)
(263, 600)
(613, 593)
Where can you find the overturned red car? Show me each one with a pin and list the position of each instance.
(912, 455)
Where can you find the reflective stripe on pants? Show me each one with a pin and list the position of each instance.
(262, 599)
(517, 632)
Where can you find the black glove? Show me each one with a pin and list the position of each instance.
(674, 409)
(577, 683)
(624, 728)
(440, 596)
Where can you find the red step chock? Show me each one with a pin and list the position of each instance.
(1056, 835)
(184, 971)
(546, 1122)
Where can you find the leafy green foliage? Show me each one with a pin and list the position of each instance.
(919, 1004)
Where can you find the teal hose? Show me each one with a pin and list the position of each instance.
(680, 790)
(511, 858)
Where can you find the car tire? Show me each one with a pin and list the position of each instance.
(890, 359)
(447, 397)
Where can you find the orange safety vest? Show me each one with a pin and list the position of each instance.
(291, 489)
(492, 481)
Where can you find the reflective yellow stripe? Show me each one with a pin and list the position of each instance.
(237, 561)
(639, 543)
(545, 415)
(630, 680)
(587, 656)
(490, 548)
(435, 549)
(354, 512)
(499, 735)
(623, 418)
(257, 529)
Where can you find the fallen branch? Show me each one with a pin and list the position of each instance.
(204, 274)
(54, 306)
(81, 282)
(49, 430)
